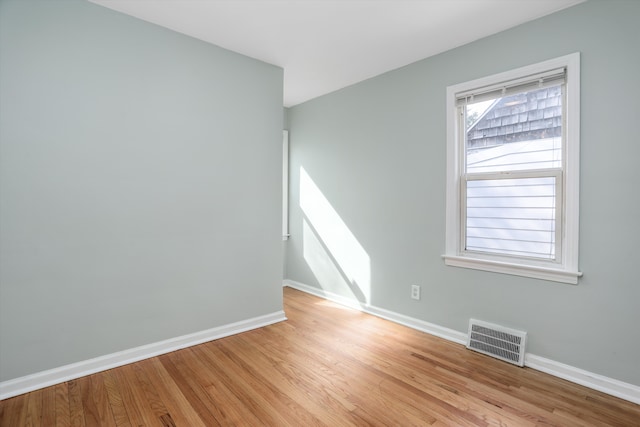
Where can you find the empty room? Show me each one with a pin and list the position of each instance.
(319, 212)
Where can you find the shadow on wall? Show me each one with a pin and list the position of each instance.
(334, 255)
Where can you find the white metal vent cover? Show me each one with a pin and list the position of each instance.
(497, 341)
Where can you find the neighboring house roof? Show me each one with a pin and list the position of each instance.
(520, 117)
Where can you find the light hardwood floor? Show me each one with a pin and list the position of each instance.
(326, 366)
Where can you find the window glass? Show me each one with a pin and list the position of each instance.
(512, 216)
(519, 132)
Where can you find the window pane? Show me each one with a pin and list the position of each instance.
(517, 132)
(512, 216)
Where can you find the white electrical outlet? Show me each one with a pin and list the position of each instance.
(415, 291)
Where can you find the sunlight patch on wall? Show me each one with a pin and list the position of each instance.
(343, 253)
(320, 262)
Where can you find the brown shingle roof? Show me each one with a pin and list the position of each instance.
(520, 117)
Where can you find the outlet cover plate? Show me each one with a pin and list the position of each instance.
(415, 292)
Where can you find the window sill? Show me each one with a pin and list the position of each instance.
(532, 271)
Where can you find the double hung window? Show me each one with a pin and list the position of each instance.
(513, 170)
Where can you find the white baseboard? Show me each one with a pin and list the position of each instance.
(420, 325)
(588, 379)
(348, 302)
(598, 382)
(61, 374)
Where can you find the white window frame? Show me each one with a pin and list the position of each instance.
(565, 268)
(285, 185)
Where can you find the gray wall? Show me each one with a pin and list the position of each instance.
(140, 185)
(376, 151)
(285, 118)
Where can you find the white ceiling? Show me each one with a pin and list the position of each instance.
(325, 45)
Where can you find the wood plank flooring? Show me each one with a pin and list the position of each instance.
(325, 366)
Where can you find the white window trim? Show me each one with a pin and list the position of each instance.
(285, 185)
(566, 270)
